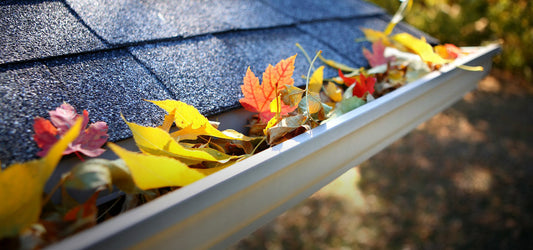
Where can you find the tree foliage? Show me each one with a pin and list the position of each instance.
(474, 22)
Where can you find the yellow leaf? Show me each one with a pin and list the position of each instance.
(167, 123)
(470, 68)
(275, 105)
(271, 123)
(315, 83)
(398, 16)
(235, 134)
(420, 47)
(336, 65)
(334, 92)
(22, 184)
(189, 118)
(158, 142)
(150, 171)
(375, 35)
(313, 102)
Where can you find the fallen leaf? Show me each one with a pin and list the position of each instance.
(88, 142)
(22, 184)
(346, 105)
(191, 122)
(151, 171)
(310, 103)
(348, 81)
(375, 35)
(333, 92)
(271, 123)
(286, 128)
(96, 173)
(291, 95)
(377, 56)
(275, 106)
(420, 47)
(257, 97)
(158, 142)
(404, 7)
(315, 83)
(45, 134)
(448, 51)
(364, 85)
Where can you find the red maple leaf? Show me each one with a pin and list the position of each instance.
(363, 84)
(257, 97)
(88, 142)
(378, 56)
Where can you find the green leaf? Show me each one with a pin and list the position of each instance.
(346, 105)
(89, 175)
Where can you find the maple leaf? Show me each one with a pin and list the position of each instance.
(377, 57)
(88, 142)
(363, 84)
(257, 97)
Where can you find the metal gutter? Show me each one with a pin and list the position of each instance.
(226, 206)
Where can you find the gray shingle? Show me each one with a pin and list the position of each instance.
(109, 84)
(123, 21)
(200, 71)
(260, 48)
(26, 91)
(37, 29)
(105, 84)
(319, 9)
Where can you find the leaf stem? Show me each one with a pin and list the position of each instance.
(54, 189)
(306, 55)
(307, 84)
(79, 156)
(257, 146)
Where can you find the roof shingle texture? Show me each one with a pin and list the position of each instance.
(107, 56)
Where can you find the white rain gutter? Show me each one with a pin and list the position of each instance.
(222, 208)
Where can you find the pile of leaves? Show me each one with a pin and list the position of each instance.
(187, 146)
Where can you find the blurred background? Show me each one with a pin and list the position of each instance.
(461, 180)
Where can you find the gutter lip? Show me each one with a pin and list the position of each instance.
(145, 223)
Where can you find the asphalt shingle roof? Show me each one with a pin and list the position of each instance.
(107, 56)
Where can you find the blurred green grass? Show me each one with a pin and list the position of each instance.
(475, 22)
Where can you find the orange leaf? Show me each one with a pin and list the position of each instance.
(257, 97)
